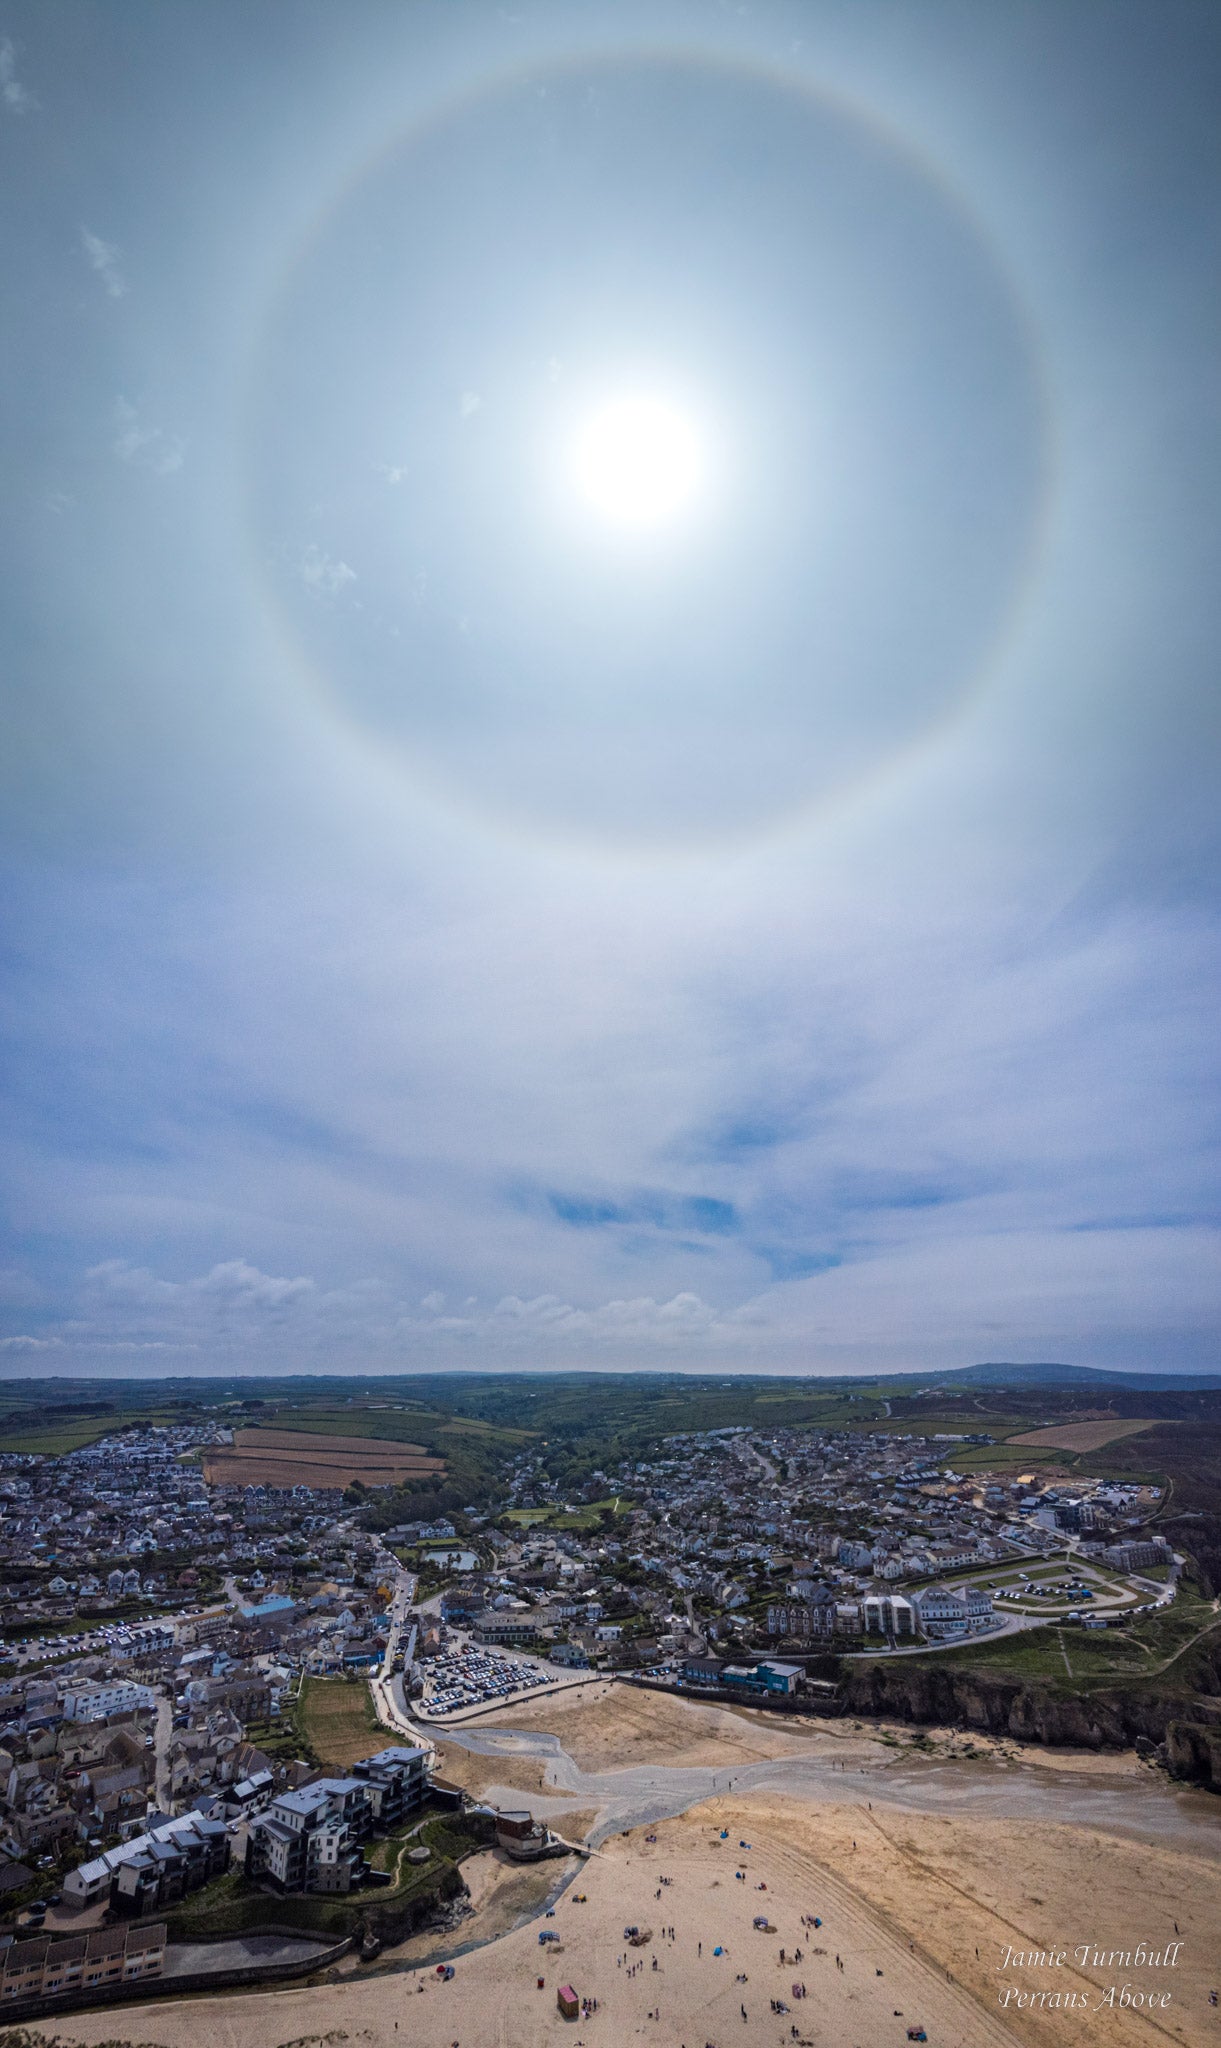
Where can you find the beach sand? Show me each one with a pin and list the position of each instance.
(913, 1900)
(920, 1909)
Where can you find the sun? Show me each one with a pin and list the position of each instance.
(638, 461)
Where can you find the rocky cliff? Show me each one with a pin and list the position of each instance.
(1185, 1717)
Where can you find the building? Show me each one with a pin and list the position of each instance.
(51, 1965)
(276, 1612)
(310, 1840)
(1132, 1557)
(154, 1868)
(521, 1837)
(396, 1780)
(493, 1626)
(763, 1678)
(100, 1702)
(888, 1614)
(952, 1610)
(814, 1614)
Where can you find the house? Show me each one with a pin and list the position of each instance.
(196, 1850)
(49, 1966)
(99, 1702)
(952, 1610)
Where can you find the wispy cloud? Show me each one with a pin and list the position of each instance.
(683, 1320)
(103, 258)
(324, 574)
(143, 446)
(13, 94)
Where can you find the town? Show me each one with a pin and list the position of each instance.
(162, 1631)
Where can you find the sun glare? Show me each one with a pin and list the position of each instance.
(637, 461)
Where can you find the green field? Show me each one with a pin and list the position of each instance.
(586, 1517)
(1001, 1457)
(53, 1440)
(336, 1718)
(1140, 1650)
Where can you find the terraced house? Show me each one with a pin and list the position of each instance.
(155, 1869)
(51, 1965)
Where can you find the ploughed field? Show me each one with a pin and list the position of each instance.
(1081, 1436)
(291, 1457)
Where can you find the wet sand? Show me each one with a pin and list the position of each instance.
(694, 1752)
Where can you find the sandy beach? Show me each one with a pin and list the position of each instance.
(923, 1916)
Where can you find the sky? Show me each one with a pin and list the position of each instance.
(482, 889)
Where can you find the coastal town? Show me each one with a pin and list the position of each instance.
(160, 1630)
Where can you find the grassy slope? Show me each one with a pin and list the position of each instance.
(54, 1439)
(335, 1715)
(1139, 1653)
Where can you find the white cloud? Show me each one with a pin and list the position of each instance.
(233, 1282)
(641, 1320)
(469, 403)
(15, 96)
(145, 447)
(31, 1343)
(103, 257)
(323, 574)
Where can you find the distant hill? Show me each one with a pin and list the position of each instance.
(999, 1375)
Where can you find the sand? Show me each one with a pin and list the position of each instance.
(621, 1726)
(919, 1908)
(913, 1900)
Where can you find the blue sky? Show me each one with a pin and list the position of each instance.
(443, 927)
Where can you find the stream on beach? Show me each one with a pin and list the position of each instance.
(1147, 1808)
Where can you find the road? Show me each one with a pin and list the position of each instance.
(161, 1741)
(402, 1599)
(745, 1449)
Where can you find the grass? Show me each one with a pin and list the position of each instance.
(336, 1718)
(56, 1440)
(1000, 1457)
(586, 1517)
(958, 1421)
(1140, 1651)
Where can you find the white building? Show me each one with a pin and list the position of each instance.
(888, 1614)
(952, 1610)
(99, 1702)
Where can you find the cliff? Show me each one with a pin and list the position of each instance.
(1185, 1716)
